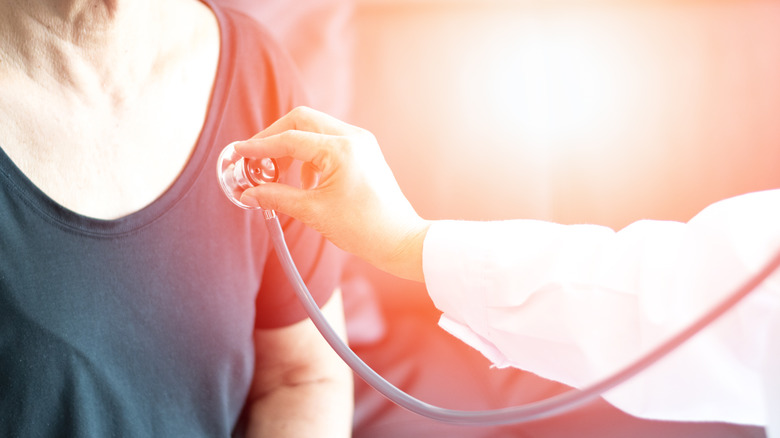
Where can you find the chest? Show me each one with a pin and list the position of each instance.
(153, 325)
(103, 156)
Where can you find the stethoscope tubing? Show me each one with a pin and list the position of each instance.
(549, 407)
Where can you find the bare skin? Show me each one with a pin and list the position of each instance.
(80, 81)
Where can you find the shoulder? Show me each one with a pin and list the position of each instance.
(246, 37)
(260, 72)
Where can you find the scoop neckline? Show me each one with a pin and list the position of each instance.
(61, 216)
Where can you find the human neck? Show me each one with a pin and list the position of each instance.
(79, 42)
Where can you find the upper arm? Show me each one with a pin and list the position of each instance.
(298, 354)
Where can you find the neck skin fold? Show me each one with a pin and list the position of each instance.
(84, 45)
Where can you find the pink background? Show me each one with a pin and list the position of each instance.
(598, 111)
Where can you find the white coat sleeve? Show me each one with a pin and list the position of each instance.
(575, 303)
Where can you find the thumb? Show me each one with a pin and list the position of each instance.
(279, 197)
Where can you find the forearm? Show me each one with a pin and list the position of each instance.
(321, 408)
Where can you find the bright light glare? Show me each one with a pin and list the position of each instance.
(554, 82)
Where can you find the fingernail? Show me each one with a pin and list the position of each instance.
(249, 201)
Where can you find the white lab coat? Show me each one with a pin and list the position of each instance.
(574, 303)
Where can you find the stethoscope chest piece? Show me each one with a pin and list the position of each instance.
(237, 173)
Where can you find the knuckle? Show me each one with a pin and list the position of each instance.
(368, 137)
(301, 113)
(286, 137)
(298, 111)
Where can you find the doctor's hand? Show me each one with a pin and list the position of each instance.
(348, 192)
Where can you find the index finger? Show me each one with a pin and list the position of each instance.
(307, 119)
(301, 145)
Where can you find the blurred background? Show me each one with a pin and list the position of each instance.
(567, 110)
(572, 111)
(595, 111)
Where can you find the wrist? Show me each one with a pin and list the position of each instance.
(406, 260)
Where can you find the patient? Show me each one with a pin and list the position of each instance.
(135, 299)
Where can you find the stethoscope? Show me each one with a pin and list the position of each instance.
(236, 174)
